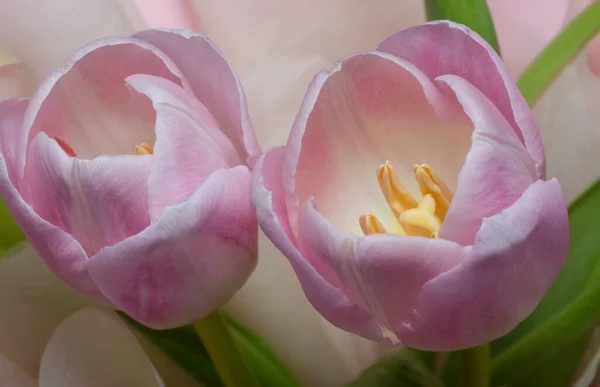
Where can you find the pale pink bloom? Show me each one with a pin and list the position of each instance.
(482, 233)
(53, 336)
(127, 170)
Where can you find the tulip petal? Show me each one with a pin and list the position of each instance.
(373, 107)
(99, 202)
(190, 261)
(49, 240)
(442, 48)
(33, 302)
(383, 273)
(43, 34)
(497, 171)
(516, 256)
(94, 348)
(87, 104)
(329, 300)
(189, 144)
(213, 81)
(16, 81)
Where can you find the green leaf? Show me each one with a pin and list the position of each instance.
(550, 62)
(566, 314)
(472, 13)
(10, 233)
(403, 368)
(184, 347)
(269, 370)
(558, 370)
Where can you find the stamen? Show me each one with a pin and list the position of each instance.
(421, 221)
(395, 194)
(371, 225)
(423, 218)
(65, 147)
(431, 184)
(144, 149)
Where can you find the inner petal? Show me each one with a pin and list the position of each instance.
(373, 108)
(89, 107)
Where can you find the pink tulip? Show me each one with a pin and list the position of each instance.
(482, 234)
(128, 172)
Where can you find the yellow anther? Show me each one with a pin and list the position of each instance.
(395, 194)
(371, 225)
(431, 184)
(144, 149)
(419, 222)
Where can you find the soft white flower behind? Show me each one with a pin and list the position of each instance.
(569, 119)
(54, 337)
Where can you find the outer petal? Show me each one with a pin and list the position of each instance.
(214, 83)
(99, 202)
(16, 81)
(87, 104)
(189, 144)
(43, 34)
(48, 239)
(497, 170)
(329, 300)
(94, 348)
(516, 256)
(33, 301)
(382, 273)
(190, 261)
(446, 48)
(373, 107)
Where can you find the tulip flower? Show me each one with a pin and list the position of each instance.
(427, 148)
(53, 336)
(127, 170)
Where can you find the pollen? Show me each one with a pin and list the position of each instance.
(144, 149)
(415, 218)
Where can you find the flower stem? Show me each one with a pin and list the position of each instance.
(475, 366)
(219, 343)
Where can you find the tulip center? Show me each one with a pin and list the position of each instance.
(415, 218)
